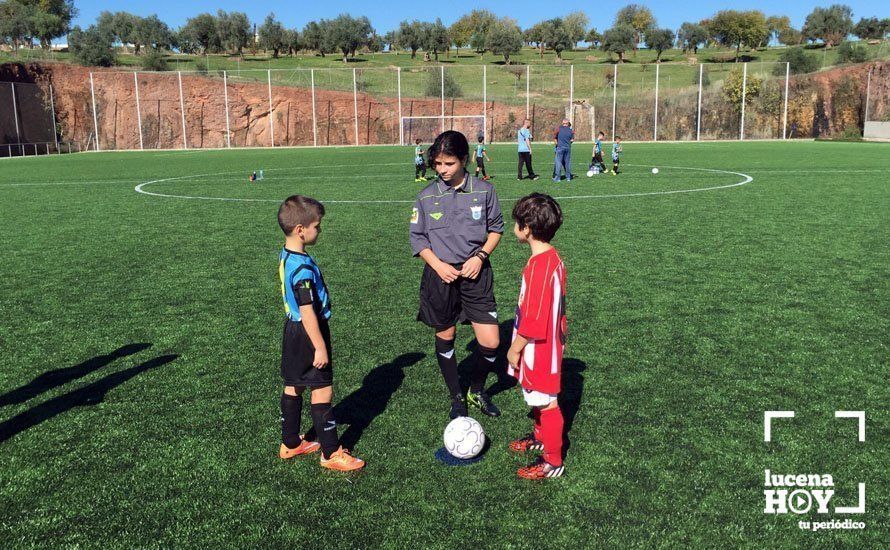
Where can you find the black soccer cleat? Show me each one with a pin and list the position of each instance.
(458, 408)
(483, 402)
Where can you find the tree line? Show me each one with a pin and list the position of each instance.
(22, 22)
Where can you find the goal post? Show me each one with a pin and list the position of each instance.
(426, 128)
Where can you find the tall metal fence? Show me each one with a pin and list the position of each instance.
(364, 106)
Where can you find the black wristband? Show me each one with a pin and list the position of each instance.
(481, 254)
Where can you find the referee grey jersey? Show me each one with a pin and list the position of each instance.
(455, 223)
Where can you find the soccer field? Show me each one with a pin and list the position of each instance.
(141, 332)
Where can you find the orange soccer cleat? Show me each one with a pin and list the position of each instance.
(540, 469)
(342, 461)
(305, 447)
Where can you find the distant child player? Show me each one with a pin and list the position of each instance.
(616, 150)
(481, 157)
(306, 347)
(539, 333)
(597, 160)
(419, 163)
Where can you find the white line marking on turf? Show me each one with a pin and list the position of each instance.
(839, 171)
(50, 183)
(746, 179)
(310, 177)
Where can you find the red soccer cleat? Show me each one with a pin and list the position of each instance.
(540, 469)
(525, 444)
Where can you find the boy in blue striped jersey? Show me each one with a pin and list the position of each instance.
(306, 345)
(481, 158)
(419, 163)
(596, 160)
(616, 151)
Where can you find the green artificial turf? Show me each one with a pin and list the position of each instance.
(140, 337)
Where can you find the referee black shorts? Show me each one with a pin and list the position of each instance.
(443, 305)
(298, 353)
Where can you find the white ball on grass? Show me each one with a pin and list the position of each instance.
(655, 170)
(590, 173)
(464, 437)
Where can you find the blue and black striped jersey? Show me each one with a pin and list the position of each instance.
(302, 284)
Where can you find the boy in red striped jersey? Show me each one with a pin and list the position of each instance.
(539, 333)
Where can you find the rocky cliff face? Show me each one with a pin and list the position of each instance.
(820, 105)
(827, 103)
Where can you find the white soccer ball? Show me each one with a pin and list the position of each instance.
(655, 170)
(464, 437)
(590, 173)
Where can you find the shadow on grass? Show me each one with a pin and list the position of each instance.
(729, 57)
(59, 377)
(570, 396)
(90, 394)
(359, 409)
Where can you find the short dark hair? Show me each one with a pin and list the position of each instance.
(481, 139)
(298, 210)
(452, 143)
(417, 141)
(602, 134)
(540, 213)
(617, 138)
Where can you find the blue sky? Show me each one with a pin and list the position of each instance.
(668, 13)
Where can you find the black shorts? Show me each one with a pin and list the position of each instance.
(480, 163)
(298, 353)
(443, 305)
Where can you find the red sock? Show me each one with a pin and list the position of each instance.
(551, 435)
(536, 413)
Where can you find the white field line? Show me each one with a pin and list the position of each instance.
(365, 176)
(745, 180)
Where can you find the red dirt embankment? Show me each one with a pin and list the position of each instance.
(821, 104)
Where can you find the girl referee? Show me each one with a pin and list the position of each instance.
(455, 225)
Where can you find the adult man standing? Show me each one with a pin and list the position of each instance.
(524, 137)
(563, 139)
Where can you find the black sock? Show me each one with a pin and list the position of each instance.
(326, 427)
(484, 363)
(291, 408)
(448, 366)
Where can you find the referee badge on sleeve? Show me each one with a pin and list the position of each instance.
(414, 215)
(477, 212)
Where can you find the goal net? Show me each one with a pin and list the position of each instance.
(426, 128)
